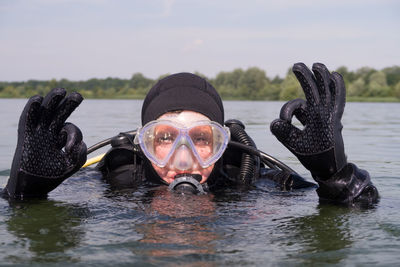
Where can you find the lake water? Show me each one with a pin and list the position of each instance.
(84, 223)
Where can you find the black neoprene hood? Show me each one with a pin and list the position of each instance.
(182, 91)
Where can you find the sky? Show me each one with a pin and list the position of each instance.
(83, 39)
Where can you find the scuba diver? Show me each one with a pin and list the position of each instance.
(186, 144)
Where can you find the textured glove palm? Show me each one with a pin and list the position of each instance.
(48, 149)
(319, 145)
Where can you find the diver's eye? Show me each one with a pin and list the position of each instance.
(201, 135)
(202, 139)
(164, 138)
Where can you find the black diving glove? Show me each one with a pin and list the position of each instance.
(49, 150)
(319, 145)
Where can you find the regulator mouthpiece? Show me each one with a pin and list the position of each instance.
(185, 183)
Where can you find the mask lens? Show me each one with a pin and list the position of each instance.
(157, 141)
(164, 137)
(209, 142)
(202, 139)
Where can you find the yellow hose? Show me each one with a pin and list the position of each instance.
(93, 160)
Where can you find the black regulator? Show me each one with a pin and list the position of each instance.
(186, 183)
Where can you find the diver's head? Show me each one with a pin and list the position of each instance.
(182, 118)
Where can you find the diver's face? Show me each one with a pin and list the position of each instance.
(184, 157)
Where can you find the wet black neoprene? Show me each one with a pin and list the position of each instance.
(48, 149)
(319, 145)
(182, 91)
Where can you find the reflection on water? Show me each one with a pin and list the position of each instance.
(46, 228)
(87, 223)
(323, 236)
(181, 225)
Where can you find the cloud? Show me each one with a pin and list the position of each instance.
(193, 45)
(168, 7)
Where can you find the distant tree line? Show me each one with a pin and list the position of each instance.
(251, 84)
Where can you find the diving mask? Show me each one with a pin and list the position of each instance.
(167, 142)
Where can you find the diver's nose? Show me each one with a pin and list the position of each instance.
(183, 159)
